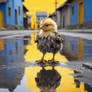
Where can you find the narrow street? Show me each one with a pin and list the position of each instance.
(18, 64)
(59, 59)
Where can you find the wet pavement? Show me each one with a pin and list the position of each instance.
(20, 71)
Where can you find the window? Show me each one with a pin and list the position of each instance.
(9, 11)
(72, 47)
(72, 10)
(19, 10)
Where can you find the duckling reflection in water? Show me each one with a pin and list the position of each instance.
(48, 80)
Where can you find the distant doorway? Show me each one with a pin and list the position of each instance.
(63, 21)
(1, 19)
(16, 22)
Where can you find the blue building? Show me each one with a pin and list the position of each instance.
(80, 12)
(75, 13)
(87, 10)
(11, 13)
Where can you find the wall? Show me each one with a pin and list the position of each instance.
(87, 10)
(74, 18)
(4, 13)
(9, 19)
(18, 3)
(13, 4)
(58, 18)
(87, 49)
(62, 17)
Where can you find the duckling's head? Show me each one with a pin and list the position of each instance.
(48, 25)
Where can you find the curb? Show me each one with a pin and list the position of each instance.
(88, 65)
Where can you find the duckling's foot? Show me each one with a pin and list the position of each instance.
(53, 59)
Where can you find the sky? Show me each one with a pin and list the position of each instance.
(41, 5)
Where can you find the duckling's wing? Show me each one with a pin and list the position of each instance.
(58, 38)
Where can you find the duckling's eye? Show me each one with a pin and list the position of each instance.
(46, 25)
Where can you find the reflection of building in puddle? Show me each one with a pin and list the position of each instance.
(1, 45)
(13, 52)
(48, 80)
(26, 42)
(77, 48)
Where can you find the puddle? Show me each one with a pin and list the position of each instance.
(77, 48)
(19, 71)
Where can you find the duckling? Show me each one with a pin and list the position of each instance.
(48, 39)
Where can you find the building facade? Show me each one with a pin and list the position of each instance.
(11, 13)
(87, 11)
(40, 16)
(75, 13)
(80, 13)
(12, 52)
(53, 16)
(25, 20)
(62, 15)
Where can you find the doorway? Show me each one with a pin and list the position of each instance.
(81, 12)
(1, 19)
(63, 21)
(16, 17)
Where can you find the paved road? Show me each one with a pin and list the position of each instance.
(78, 33)
(82, 35)
(17, 33)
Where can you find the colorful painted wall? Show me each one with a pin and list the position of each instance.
(80, 11)
(87, 10)
(74, 14)
(2, 15)
(17, 4)
(14, 5)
